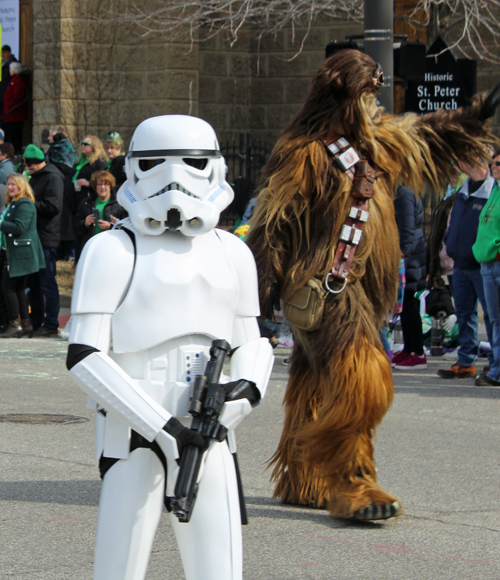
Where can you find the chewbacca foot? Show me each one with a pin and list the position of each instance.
(377, 511)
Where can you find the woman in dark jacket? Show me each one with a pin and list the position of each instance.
(62, 154)
(24, 253)
(102, 199)
(116, 154)
(409, 217)
(91, 159)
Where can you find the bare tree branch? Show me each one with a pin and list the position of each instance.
(184, 18)
(472, 25)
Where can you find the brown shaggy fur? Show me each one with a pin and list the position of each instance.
(340, 383)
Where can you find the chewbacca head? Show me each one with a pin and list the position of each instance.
(333, 103)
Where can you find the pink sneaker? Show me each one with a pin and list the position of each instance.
(412, 362)
(399, 357)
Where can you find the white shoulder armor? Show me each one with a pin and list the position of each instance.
(244, 264)
(103, 273)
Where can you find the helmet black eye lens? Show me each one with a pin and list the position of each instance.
(147, 164)
(197, 163)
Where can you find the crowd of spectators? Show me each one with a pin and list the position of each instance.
(462, 259)
(51, 203)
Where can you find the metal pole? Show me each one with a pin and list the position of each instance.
(379, 38)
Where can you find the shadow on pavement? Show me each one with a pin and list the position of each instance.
(451, 391)
(61, 492)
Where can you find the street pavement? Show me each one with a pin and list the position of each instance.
(438, 450)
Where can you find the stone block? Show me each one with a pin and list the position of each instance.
(46, 28)
(208, 89)
(214, 114)
(234, 90)
(181, 56)
(181, 85)
(269, 43)
(207, 41)
(268, 90)
(258, 117)
(47, 56)
(238, 116)
(214, 63)
(297, 89)
(68, 81)
(156, 85)
(259, 65)
(288, 65)
(239, 65)
(45, 112)
(125, 58)
(303, 40)
(134, 85)
(85, 84)
(243, 40)
(130, 113)
(278, 117)
(85, 112)
(46, 84)
(267, 136)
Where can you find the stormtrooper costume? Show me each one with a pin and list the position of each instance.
(149, 298)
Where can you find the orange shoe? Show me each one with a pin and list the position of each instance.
(458, 372)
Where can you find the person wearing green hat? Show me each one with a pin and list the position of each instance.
(47, 184)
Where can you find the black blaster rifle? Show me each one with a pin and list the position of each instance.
(205, 407)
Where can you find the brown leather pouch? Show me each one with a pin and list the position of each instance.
(304, 309)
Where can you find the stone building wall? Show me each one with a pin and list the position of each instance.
(259, 88)
(93, 75)
(96, 75)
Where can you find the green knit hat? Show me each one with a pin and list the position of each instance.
(33, 152)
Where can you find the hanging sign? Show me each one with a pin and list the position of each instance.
(448, 83)
(9, 21)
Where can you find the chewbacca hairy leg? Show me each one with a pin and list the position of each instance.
(325, 455)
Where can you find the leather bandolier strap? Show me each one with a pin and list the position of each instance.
(363, 177)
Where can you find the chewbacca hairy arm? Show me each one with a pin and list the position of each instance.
(430, 149)
(460, 136)
(269, 260)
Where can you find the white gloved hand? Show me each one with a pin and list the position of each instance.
(449, 323)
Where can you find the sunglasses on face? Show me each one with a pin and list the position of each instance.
(497, 163)
(85, 143)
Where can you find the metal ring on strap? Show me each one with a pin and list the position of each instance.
(334, 291)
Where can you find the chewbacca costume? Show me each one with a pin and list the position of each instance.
(340, 384)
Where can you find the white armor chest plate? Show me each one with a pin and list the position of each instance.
(180, 286)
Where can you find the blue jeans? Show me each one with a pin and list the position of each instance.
(490, 272)
(44, 293)
(467, 290)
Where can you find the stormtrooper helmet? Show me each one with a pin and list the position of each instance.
(175, 177)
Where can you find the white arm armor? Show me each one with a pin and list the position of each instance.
(97, 374)
(254, 362)
(103, 380)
